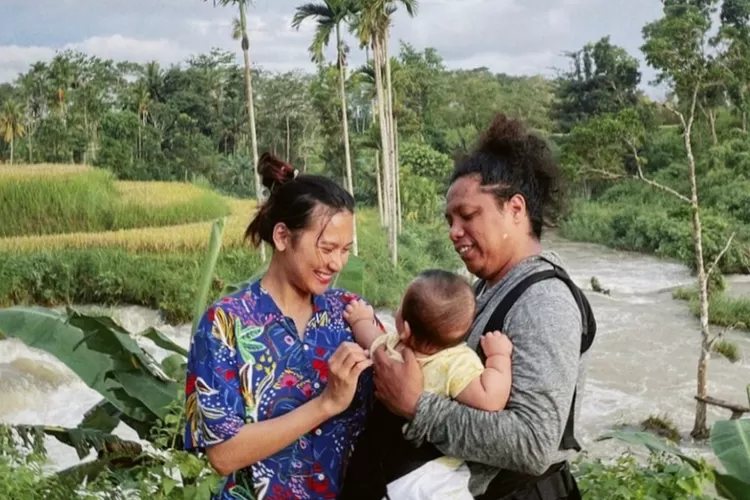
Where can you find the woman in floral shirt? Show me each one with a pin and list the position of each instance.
(274, 394)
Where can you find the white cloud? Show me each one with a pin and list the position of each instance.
(16, 59)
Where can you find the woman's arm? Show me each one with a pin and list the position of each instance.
(259, 440)
(545, 327)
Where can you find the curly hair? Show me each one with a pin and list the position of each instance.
(509, 160)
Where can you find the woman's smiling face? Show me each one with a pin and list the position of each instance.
(314, 255)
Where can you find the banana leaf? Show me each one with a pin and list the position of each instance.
(102, 354)
(162, 341)
(730, 440)
(212, 254)
(652, 443)
(84, 440)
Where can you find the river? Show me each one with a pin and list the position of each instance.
(643, 361)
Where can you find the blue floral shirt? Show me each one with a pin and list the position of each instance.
(247, 363)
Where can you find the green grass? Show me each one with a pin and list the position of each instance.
(723, 310)
(166, 280)
(90, 200)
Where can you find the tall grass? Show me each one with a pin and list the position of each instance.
(67, 200)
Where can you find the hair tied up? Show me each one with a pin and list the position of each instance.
(274, 171)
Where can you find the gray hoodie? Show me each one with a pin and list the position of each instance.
(545, 328)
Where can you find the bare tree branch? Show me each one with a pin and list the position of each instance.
(603, 173)
(721, 254)
(660, 186)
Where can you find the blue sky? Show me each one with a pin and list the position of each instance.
(511, 36)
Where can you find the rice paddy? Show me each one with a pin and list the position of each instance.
(71, 199)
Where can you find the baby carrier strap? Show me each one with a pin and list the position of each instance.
(507, 481)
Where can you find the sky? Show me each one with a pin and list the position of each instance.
(517, 37)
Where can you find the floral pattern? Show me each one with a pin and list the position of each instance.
(248, 363)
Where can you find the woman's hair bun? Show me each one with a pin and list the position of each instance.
(274, 171)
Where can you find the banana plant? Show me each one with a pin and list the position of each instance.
(730, 442)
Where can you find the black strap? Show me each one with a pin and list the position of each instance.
(497, 322)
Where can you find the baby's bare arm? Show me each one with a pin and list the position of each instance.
(491, 391)
(361, 318)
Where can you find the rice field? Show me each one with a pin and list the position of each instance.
(63, 199)
(41, 169)
(158, 194)
(175, 238)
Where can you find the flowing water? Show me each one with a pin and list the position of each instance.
(643, 361)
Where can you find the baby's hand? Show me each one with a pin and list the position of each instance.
(496, 344)
(358, 310)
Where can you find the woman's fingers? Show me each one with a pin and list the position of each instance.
(346, 357)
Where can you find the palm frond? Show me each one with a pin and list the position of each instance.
(312, 10)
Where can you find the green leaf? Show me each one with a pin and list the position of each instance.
(155, 394)
(731, 487)
(652, 443)
(168, 484)
(103, 416)
(730, 440)
(163, 341)
(204, 285)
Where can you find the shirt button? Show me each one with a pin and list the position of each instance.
(321, 477)
(318, 432)
(316, 385)
(306, 347)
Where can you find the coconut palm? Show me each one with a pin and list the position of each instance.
(329, 15)
(11, 124)
(372, 24)
(240, 32)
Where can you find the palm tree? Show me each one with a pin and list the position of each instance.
(372, 25)
(11, 124)
(241, 30)
(330, 14)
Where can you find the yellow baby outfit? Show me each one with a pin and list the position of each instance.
(446, 373)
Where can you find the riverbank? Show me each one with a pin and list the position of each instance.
(658, 230)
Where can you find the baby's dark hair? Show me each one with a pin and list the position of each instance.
(510, 161)
(439, 307)
(293, 198)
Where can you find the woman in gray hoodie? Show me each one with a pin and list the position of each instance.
(499, 197)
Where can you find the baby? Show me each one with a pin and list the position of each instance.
(436, 312)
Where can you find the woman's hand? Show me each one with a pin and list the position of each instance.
(344, 368)
(398, 385)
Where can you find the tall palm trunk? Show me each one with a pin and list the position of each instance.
(12, 141)
(380, 190)
(394, 138)
(385, 140)
(251, 111)
(345, 123)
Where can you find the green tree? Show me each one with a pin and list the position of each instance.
(11, 124)
(676, 45)
(242, 5)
